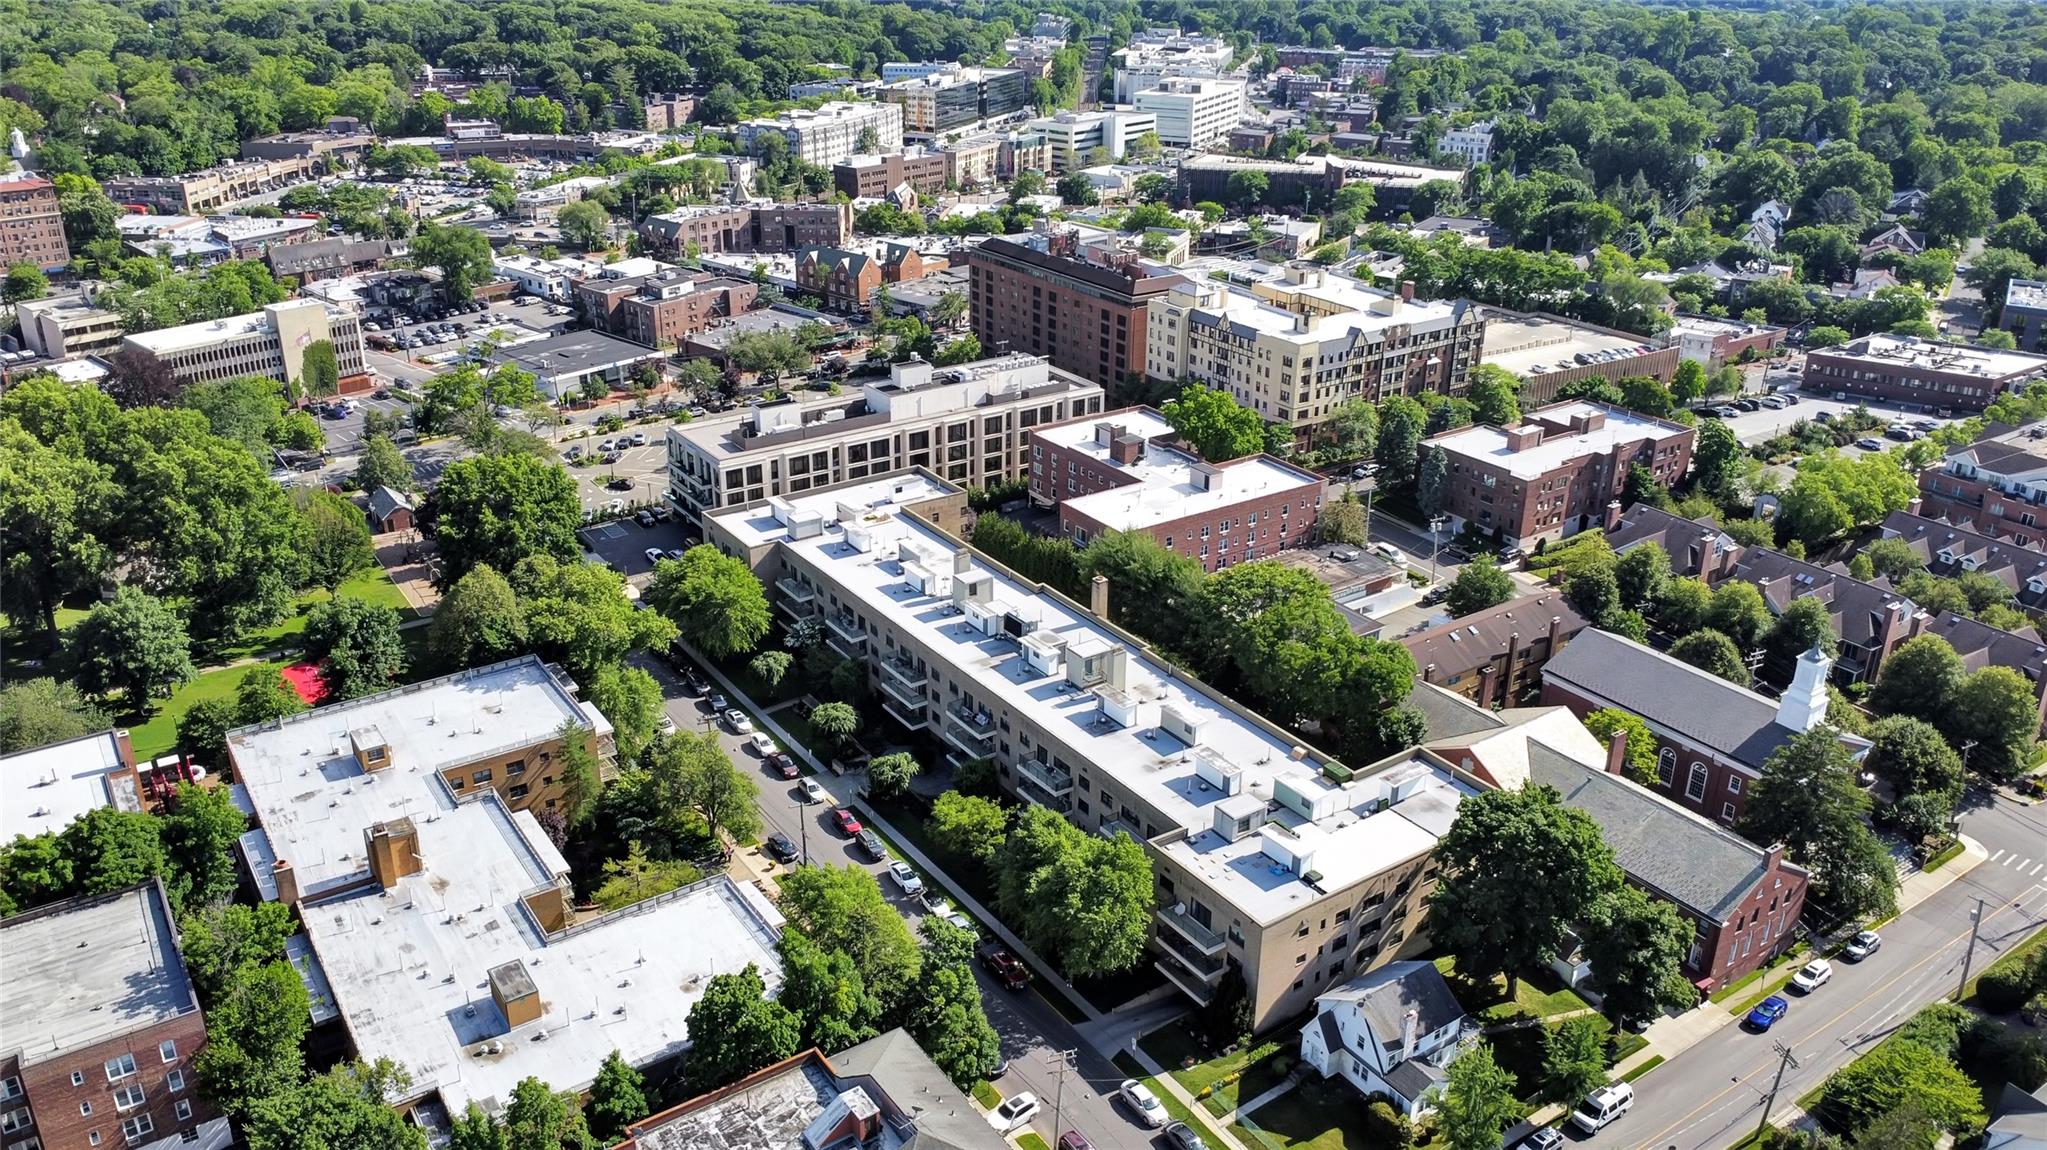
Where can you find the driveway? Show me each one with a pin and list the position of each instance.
(623, 543)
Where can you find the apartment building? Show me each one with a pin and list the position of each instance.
(1307, 182)
(1472, 145)
(1296, 346)
(1714, 343)
(828, 134)
(970, 424)
(1997, 484)
(666, 111)
(1495, 657)
(31, 227)
(1118, 472)
(1071, 137)
(940, 97)
(1950, 549)
(665, 308)
(1193, 113)
(1267, 856)
(1557, 472)
(62, 327)
(2025, 314)
(271, 342)
(99, 1026)
(198, 193)
(872, 177)
(440, 925)
(1920, 372)
(45, 789)
(1154, 54)
(751, 228)
(1084, 308)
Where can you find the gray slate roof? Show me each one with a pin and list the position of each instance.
(384, 500)
(1414, 1078)
(1450, 715)
(1704, 868)
(1672, 694)
(1384, 996)
(944, 1118)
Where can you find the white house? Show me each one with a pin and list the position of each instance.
(1393, 1031)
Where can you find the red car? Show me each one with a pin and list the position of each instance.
(849, 824)
(784, 765)
(1007, 968)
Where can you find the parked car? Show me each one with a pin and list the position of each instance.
(1390, 552)
(848, 822)
(1344, 555)
(871, 843)
(1814, 975)
(654, 554)
(783, 764)
(1143, 1102)
(1603, 1106)
(1868, 444)
(1899, 432)
(667, 725)
(1014, 1111)
(1543, 1138)
(905, 877)
(717, 701)
(780, 847)
(762, 745)
(1182, 1137)
(1862, 946)
(737, 720)
(1006, 968)
(814, 792)
(1075, 1140)
(934, 902)
(1768, 1011)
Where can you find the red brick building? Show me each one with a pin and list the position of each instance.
(847, 280)
(1495, 657)
(1997, 485)
(872, 177)
(1116, 472)
(1086, 318)
(31, 227)
(1919, 372)
(99, 1026)
(663, 309)
(1554, 473)
(766, 228)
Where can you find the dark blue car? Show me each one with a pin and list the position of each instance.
(1767, 1012)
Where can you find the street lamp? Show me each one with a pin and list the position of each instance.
(1435, 525)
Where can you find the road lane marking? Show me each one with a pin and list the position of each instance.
(1998, 855)
(2022, 866)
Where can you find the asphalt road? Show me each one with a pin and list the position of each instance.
(1032, 1031)
(1712, 1095)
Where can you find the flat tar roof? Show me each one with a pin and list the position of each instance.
(575, 353)
(1909, 351)
(1165, 482)
(86, 970)
(1536, 347)
(1489, 443)
(46, 788)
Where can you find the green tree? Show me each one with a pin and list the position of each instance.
(1637, 945)
(1573, 1060)
(889, 776)
(1214, 424)
(319, 369)
(461, 254)
(540, 1118)
(1715, 456)
(1921, 679)
(1995, 708)
(38, 712)
(479, 622)
(947, 1019)
(1495, 392)
(245, 409)
(585, 224)
(1593, 591)
(1488, 911)
(254, 1031)
(578, 614)
(1355, 423)
(1804, 624)
(967, 827)
(837, 724)
(635, 878)
(1607, 723)
(1807, 798)
(1712, 652)
(1688, 385)
(357, 645)
(715, 601)
(1247, 189)
(1642, 576)
(1150, 588)
(135, 645)
(827, 994)
(380, 464)
(1894, 559)
(842, 908)
(221, 938)
(1738, 612)
(631, 699)
(346, 1108)
(770, 666)
(1432, 482)
(336, 538)
(1076, 190)
(1400, 435)
(1912, 756)
(24, 282)
(694, 773)
(500, 509)
(200, 829)
(1895, 1073)
(736, 1029)
(1343, 521)
(1479, 584)
(1477, 1102)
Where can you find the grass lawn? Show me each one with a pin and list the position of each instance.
(372, 585)
(987, 1095)
(1783, 965)
(1537, 995)
(1648, 1064)
(1029, 1140)
(159, 735)
(1316, 1115)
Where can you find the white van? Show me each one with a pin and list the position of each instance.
(1603, 1106)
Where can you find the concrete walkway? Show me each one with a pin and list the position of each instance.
(1247, 1107)
(1119, 1030)
(1172, 1086)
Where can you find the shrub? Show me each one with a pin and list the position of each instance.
(2002, 989)
(1387, 1127)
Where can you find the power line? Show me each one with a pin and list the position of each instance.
(1784, 1059)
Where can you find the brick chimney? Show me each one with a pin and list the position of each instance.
(1915, 506)
(1098, 596)
(1523, 438)
(287, 881)
(1613, 515)
(1617, 752)
(1708, 544)
(1407, 290)
(393, 850)
(1556, 634)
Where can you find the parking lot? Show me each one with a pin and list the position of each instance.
(623, 543)
(435, 352)
(639, 476)
(1752, 427)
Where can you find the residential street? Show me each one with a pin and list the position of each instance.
(1032, 1031)
(1711, 1095)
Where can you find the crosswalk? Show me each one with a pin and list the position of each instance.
(2025, 866)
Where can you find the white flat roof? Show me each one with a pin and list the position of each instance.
(209, 332)
(1932, 355)
(1489, 443)
(1165, 484)
(1536, 347)
(45, 789)
(313, 799)
(85, 971)
(1140, 759)
(1239, 308)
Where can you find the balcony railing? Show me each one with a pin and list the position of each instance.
(976, 746)
(1206, 940)
(1031, 793)
(1047, 779)
(1108, 830)
(1189, 985)
(908, 674)
(845, 627)
(795, 592)
(1206, 967)
(912, 698)
(909, 716)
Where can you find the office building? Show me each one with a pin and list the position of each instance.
(949, 96)
(1713, 343)
(970, 423)
(44, 789)
(1117, 472)
(830, 133)
(1997, 484)
(872, 177)
(1548, 351)
(197, 193)
(664, 309)
(440, 926)
(753, 228)
(1920, 372)
(1084, 308)
(1267, 855)
(562, 364)
(1557, 471)
(1308, 182)
(1193, 113)
(31, 226)
(64, 327)
(1297, 346)
(1155, 54)
(1072, 138)
(271, 342)
(1473, 144)
(99, 1029)
(2025, 314)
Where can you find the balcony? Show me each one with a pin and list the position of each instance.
(1204, 939)
(1108, 830)
(1047, 778)
(1189, 985)
(903, 672)
(843, 634)
(911, 698)
(970, 731)
(1205, 967)
(1031, 793)
(909, 716)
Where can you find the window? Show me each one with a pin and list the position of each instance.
(481, 777)
(1734, 784)
(137, 1128)
(119, 1068)
(16, 1119)
(10, 1089)
(85, 1110)
(92, 1138)
(1666, 766)
(174, 1081)
(1727, 811)
(129, 1096)
(167, 1050)
(1695, 784)
(78, 1078)
(183, 1110)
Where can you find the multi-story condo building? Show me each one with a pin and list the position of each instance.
(665, 308)
(1118, 472)
(271, 342)
(1556, 472)
(1083, 307)
(1307, 182)
(828, 134)
(99, 1027)
(2025, 314)
(1495, 657)
(31, 227)
(1549, 352)
(969, 423)
(755, 228)
(65, 326)
(949, 96)
(872, 177)
(440, 926)
(1193, 113)
(1921, 372)
(1268, 856)
(1298, 346)
(667, 110)
(1998, 485)
(1153, 54)
(1472, 144)
(1072, 136)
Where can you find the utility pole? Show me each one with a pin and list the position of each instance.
(1063, 1062)
(1435, 544)
(1975, 929)
(1784, 1059)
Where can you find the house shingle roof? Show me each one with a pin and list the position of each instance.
(1384, 996)
(1697, 705)
(1464, 645)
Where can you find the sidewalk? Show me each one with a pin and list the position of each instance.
(1172, 1086)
